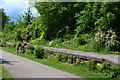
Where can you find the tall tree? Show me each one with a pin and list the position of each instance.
(57, 16)
(3, 18)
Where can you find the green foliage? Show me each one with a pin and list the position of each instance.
(26, 18)
(99, 18)
(46, 54)
(108, 70)
(18, 34)
(56, 16)
(9, 26)
(4, 73)
(18, 44)
(107, 40)
(55, 42)
(64, 57)
(3, 44)
(71, 59)
(115, 72)
(58, 56)
(92, 64)
(29, 49)
(83, 26)
(51, 57)
(41, 42)
(39, 52)
(105, 65)
(3, 19)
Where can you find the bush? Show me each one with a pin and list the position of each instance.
(46, 54)
(51, 57)
(39, 52)
(92, 64)
(29, 49)
(64, 57)
(115, 73)
(105, 66)
(18, 44)
(14, 45)
(58, 56)
(3, 44)
(71, 59)
(55, 42)
(106, 40)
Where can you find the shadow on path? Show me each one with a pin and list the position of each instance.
(3, 61)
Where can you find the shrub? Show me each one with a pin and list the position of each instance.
(115, 73)
(18, 44)
(58, 56)
(14, 45)
(55, 42)
(39, 52)
(79, 41)
(78, 60)
(71, 59)
(3, 44)
(64, 57)
(29, 49)
(92, 64)
(106, 40)
(46, 54)
(51, 57)
(105, 66)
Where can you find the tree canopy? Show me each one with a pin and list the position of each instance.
(79, 23)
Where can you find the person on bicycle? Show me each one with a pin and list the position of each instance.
(25, 43)
(21, 48)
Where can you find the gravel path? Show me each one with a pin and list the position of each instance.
(114, 59)
(21, 67)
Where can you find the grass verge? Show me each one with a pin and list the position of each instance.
(4, 73)
(77, 70)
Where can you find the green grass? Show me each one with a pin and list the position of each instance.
(80, 70)
(109, 52)
(4, 73)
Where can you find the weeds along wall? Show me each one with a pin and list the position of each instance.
(91, 64)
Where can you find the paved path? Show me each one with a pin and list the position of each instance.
(21, 67)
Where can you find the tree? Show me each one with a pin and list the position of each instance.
(9, 26)
(25, 19)
(57, 16)
(3, 19)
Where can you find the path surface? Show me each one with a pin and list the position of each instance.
(21, 67)
(114, 59)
